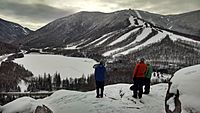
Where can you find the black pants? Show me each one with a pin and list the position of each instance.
(138, 86)
(99, 85)
(147, 85)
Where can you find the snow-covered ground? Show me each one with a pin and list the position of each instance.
(39, 64)
(187, 81)
(21, 105)
(65, 101)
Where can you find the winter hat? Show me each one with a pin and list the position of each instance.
(142, 60)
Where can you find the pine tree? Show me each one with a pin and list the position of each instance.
(49, 84)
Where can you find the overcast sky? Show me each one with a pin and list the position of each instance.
(36, 13)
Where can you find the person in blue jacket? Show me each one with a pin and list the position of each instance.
(100, 73)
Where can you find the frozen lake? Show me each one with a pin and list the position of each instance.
(73, 67)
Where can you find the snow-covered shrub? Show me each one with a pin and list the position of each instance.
(160, 78)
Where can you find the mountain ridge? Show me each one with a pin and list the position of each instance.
(86, 24)
(110, 34)
(10, 31)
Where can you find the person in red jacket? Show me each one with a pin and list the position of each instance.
(138, 78)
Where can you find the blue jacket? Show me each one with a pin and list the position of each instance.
(100, 72)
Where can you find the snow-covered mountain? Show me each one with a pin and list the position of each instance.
(10, 32)
(65, 101)
(85, 27)
(186, 23)
(131, 33)
(77, 27)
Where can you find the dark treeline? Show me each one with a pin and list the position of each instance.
(49, 83)
(84, 83)
(40, 83)
(7, 48)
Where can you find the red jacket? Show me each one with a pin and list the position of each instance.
(140, 70)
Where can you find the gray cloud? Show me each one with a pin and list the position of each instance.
(158, 6)
(33, 12)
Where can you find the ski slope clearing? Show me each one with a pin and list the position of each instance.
(187, 82)
(73, 67)
(118, 99)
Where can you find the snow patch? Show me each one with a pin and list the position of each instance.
(170, 27)
(70, 47)
(23, 86)
(131, 20)
(138, 14)
(25, 31)
(171, 103)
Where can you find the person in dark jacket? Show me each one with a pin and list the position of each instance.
(100, 73)
(138, 78)
(148, 79)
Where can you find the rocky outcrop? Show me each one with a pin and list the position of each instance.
(177, 102)
(0, 109)
(43, 109)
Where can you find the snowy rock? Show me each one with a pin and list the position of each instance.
(0, 108)
(21, 105)
(43, 109)
(184, 88)
(172, 101)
